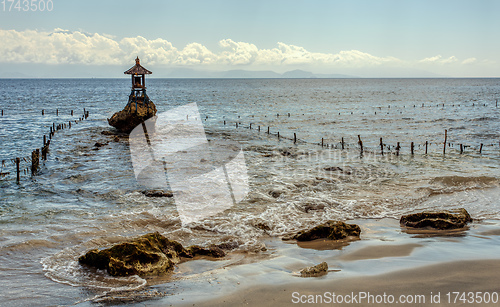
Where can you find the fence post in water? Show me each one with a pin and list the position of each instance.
(294, 136)
(18, 160)
(224, 122)
(381, 147)
(267, 129)
(34, 164)
(397, 149)
(57, 112)
(426, 143)
(2, 112)
(360, 143)
(321, 142)
(461, 149)
(43, 112)
(250, 126)
(445, 138)
(412, 148)
(69, 124)
(342, 142)
(236, 124)
(481, 148)
(258, 127)
(44, 140)
(278, 135)
(71, 112)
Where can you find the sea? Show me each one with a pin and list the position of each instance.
(312, 151)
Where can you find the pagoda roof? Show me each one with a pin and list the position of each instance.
(137, 69)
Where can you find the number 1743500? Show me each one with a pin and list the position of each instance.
(27, 5)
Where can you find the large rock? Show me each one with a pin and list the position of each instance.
(438, 220)
(314, 271)
(333, 230)
(130, 117)
(150, 254)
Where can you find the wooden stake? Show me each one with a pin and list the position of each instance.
(321, 142)
(71, 112)
(43, 112)
(381, 147)
(44, 140)
(445, 138)
(236, 124)
(18, 160)
(278, 135)
(360, 143)
(342, 142)
(481, 148)
(250, 126)
(294, 136)
(397, 149)
(258, 127)
(426, 143)
(461, 149)
(412, 148)
(267, 129)
(57, 112)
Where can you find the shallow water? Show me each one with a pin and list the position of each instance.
(85, 198)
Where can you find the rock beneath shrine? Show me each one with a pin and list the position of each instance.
(130, 117)
(150, 254)
(332, 230)
(439, 220)
(314, 271)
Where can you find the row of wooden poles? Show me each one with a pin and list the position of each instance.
(343, 145)
(57, 112)
(35, 154)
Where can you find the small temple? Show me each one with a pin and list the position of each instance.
(139, 107)
(138, 93)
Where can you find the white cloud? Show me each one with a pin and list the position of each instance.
(438, 59)
(469, 61)
(78, 47)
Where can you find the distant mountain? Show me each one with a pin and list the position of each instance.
(27, 70)
(249, 74)
(298, 74)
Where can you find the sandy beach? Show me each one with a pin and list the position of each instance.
(387, 267)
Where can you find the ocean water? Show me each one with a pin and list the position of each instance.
(86, 197)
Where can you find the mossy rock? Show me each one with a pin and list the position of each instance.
(439, 220)
(332, 230)
(150, 254)
(314, 271)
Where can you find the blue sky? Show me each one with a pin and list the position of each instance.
(368, 38)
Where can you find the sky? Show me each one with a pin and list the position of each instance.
(385, 38)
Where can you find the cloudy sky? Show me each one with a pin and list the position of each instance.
(364, 38)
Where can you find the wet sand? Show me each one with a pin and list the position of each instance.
(425, 267)
(424, 286)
